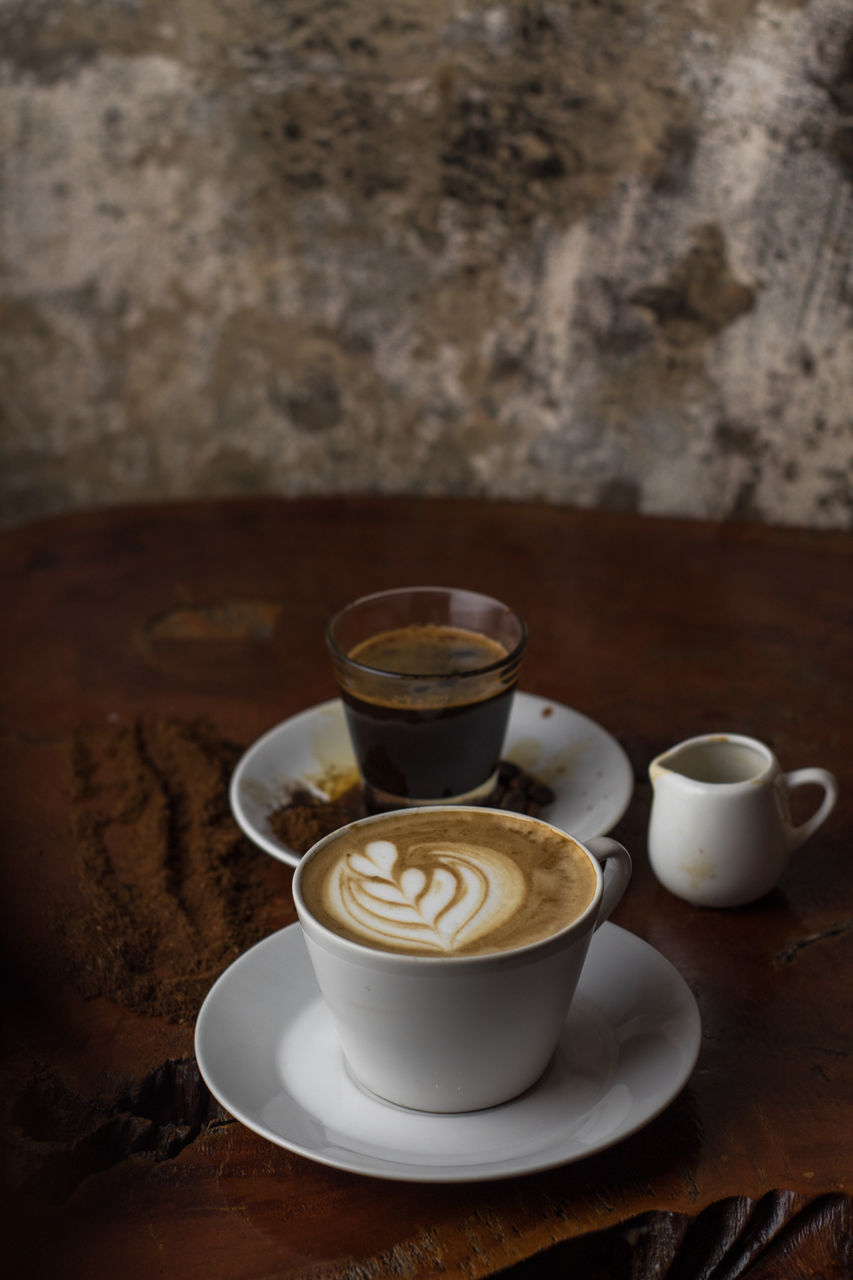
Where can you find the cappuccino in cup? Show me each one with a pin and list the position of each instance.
(435, 883)
(447, 942)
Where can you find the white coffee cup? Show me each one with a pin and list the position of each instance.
(449, 1033)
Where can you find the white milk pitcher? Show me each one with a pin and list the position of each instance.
(720, 831)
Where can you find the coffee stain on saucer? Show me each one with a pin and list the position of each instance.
(549, 766)
(335, 771)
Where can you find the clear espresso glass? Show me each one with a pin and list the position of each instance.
(427, 677)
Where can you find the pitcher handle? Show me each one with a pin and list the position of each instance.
(616, 864)
(823, 778)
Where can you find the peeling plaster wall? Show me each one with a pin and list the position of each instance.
(586, 251)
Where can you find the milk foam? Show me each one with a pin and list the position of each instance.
(449, 899)
(448, 882)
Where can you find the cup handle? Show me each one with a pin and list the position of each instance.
(824, 779)
(616, 865)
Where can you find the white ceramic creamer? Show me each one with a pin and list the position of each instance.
(720, 831)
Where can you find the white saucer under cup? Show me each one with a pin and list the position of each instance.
(268, 1052)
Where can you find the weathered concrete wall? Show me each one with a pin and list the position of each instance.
(583, 250)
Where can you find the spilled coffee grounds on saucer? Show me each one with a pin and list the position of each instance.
(170, 890)
(306, 818)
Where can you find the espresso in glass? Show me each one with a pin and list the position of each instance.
(439, 882)
(427, 677)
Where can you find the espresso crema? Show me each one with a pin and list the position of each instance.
(441, 883)
(443, 666)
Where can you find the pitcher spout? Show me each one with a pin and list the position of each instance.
(715, 759)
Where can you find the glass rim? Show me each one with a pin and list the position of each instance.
(509, 659)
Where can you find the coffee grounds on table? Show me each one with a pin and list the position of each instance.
(170, 890)
(306, 818)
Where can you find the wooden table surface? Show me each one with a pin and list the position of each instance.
(118, 1164)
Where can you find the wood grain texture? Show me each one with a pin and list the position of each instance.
(115, 1160)
(781, 1234)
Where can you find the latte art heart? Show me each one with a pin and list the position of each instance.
(446, 882)
(437, 903)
